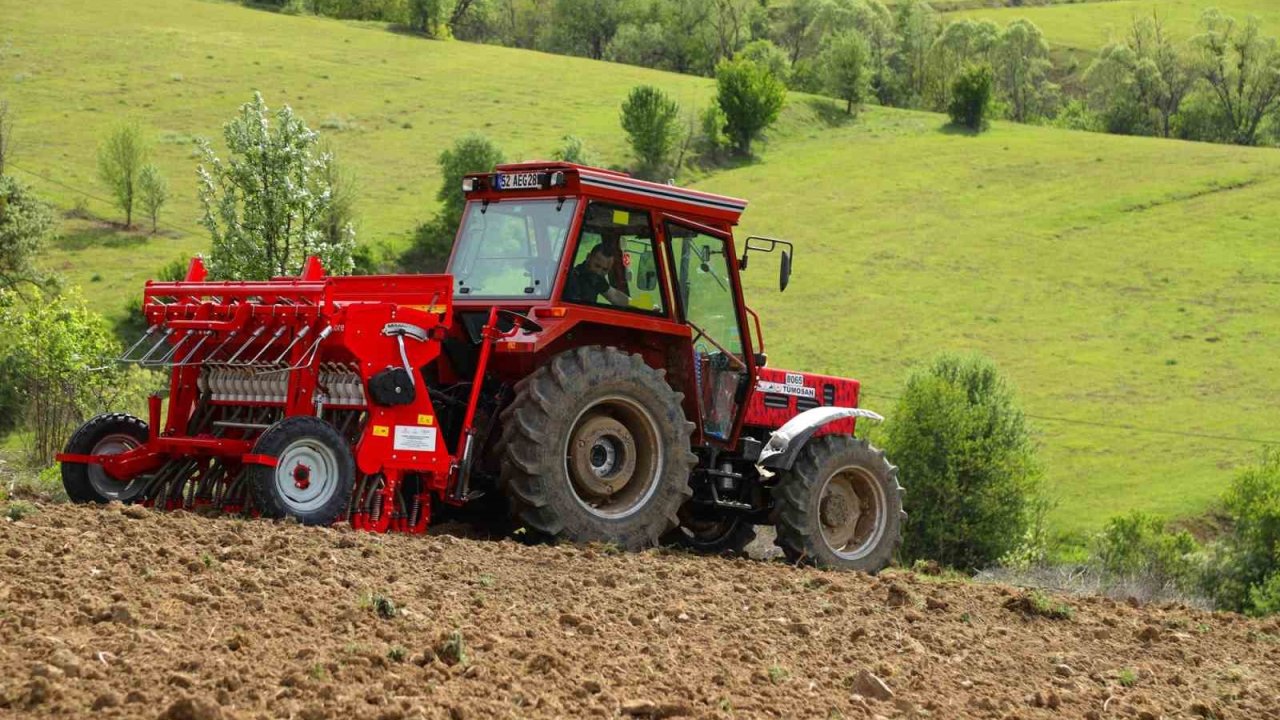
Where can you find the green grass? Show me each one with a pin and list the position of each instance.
(1116, 280)
(1090, 25)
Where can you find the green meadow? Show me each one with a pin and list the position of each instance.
(1089, 25)
(1128, 286)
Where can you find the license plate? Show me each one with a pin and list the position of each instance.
(519, 181)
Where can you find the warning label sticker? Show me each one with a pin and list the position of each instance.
(415, 439)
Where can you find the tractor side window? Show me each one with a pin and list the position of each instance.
(614, 264)
(511, 248)
(706, 292)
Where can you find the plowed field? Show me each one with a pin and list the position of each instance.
(130, 613)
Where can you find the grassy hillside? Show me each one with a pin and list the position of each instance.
(1118, 280)
(1092, 24)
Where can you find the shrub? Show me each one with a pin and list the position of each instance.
(1138, 546)
(966, 455)
(153, 191)
(25, 222)
(651, 120)
(971, 98)
(751, 98)
(57, 356)
(573, 150)
(1244, 571)
(432, 240)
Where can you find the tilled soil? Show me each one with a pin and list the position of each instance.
(128, 613)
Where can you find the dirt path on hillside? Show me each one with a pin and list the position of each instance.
(137, 614)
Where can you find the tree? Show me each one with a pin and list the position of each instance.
(153, 192)
(339, 214)
(875, 22)
(844, 65)
(650, 119)
(1021, 58)
(265, 206)
(1242, 69)
(433, 240)
(1138, 85)
(50, 351)
(25, 220)
(770, 56)
(918, 27)
(971, 98)
(643, 44)
(427, 16)
(958, 434)
(585, 27)
(961, 44)
(751, 98)
(120, 160)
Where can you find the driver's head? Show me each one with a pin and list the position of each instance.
(599, 260)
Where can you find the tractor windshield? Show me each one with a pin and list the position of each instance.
(511, 248)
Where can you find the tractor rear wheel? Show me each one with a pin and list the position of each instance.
(314, 472)
(840, 506)
(109, 434)
(595, 447)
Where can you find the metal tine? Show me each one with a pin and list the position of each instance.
(212, 353)
(164, 360)
(124, 357)
(165, 336)
(252, 336)
(275, 336)
(207, 334)
(301, 334)
(308, 357)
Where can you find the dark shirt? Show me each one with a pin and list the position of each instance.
(584, 286)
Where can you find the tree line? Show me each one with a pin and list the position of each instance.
(1221, 85)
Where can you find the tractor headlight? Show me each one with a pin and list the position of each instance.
(468, 184)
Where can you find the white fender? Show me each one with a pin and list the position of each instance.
(799, 428)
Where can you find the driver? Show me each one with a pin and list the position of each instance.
(589, 279)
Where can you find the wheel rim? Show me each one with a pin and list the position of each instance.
(852, 512)
(102, 483)
(306, 475)
(613, 457)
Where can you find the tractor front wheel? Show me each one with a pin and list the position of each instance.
(721, 534)
(109, 434)
(840, 506)
(595, 447)
(313, 474)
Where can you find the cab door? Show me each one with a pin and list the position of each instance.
(705, 277)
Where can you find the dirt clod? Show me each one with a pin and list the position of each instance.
(284, 627)
(867, 684)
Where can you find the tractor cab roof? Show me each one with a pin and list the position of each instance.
(543, 178)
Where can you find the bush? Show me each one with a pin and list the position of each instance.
(750, 97)
(432, 240)
(25, 222)
(968, 461)
(574, 151)
(1243, 571)
(650, 119)
(971, 98)
(58, 357)
(1138, 547)
(121, 158)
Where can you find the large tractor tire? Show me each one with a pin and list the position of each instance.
(840, 506)
(595, 447)
(313, 476)
(109, 434)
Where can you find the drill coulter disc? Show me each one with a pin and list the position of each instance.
(314, 473)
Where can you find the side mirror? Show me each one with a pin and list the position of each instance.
(742, 264)
(784, 271)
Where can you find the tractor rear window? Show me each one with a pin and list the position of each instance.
(510, 248)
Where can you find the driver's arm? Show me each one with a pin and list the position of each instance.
(617, 297)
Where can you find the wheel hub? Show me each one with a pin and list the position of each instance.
(602, 457)
(841, 510)
(301, 476)
(307, 475)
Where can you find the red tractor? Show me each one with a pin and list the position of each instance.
(587, 360)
